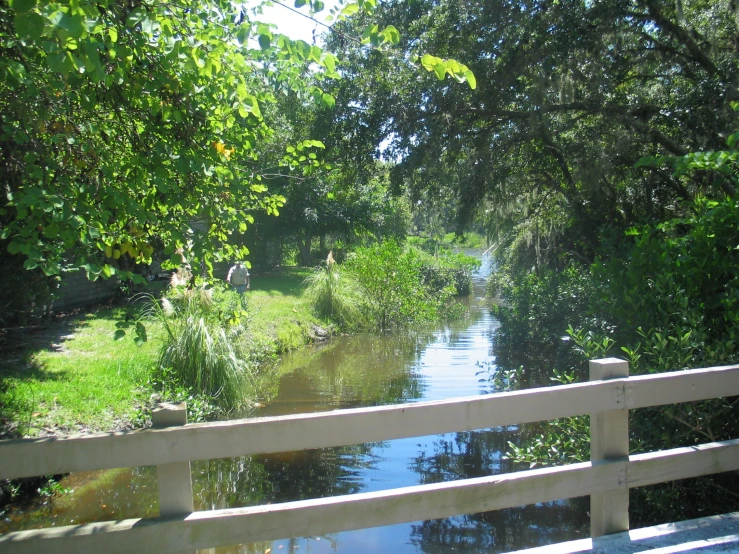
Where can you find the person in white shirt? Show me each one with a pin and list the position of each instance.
(238, 276)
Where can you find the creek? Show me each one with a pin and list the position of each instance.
(369, 370)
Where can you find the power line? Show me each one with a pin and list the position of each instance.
(314, 20)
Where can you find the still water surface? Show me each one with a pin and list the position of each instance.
(349, 372)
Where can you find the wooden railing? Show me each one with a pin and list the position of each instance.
(172, 444)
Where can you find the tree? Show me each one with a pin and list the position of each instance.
(570, 95)
(329, 196)
(128, 126)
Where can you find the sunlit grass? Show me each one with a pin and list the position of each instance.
(468, 240)
(279, 308)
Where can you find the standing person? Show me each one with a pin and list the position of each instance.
(238, 276)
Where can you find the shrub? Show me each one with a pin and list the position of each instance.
(669, 300)
(450, 269)
(391, 281)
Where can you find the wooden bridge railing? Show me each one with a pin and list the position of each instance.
(172, 444)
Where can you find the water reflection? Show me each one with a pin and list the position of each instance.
(503, 530)
(464, 456)
(365, 370)
(478, 454)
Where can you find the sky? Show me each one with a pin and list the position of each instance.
(293, 25)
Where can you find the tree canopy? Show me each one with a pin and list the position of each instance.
(130, 126)
(570, 96)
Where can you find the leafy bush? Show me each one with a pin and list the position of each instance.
(449, 269)
(403, 286)
(467, 240)
(669, 300)
(434, 245)
(679, 277)
(536, 311)
(391, 281)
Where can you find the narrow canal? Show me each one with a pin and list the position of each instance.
(356, 371)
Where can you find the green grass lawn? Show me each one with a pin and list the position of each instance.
(70, 376)
(278, 308)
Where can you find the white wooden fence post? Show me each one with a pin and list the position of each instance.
(175, 480)
(609, 440)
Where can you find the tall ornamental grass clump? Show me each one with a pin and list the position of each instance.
(334, 294)
(197, 353)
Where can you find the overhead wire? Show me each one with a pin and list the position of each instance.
(317, 22)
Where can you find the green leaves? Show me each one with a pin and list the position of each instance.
(137, 16)
(264, 42)
(442, 68)
(328, 100)
(62, 62)
(391, 35)
(349, 10)
(265, 36)
(329, 62)
(73, 24)
(29, 25)
(22, 6)
(140, 336)
(150, 113)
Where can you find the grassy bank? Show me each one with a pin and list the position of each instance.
(68, 375)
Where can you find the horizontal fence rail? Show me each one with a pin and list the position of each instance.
(608, 476)
(226, 439)
(358, 511)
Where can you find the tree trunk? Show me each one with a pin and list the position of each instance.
(304, 258)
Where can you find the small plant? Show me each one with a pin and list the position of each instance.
(556, 442)
(200, 407)
(52, 488)
(590, 344)
(503, 380)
